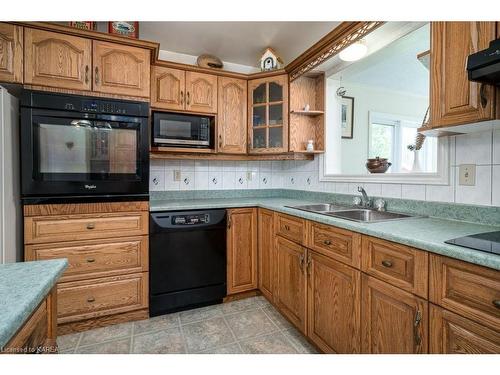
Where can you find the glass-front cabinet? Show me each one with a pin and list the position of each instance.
(268, 115)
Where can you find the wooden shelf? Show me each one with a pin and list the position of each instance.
(307, 113)
(310, 152)
(187, 155)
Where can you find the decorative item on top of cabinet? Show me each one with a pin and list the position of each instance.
(201, 92)
(241, 250)
(58, 60)
(452, 334)
(291, 282)
(266, 253)
(120, 69)
(232, 116)
(167, 88)
(11, 53)
(334, 305)
(392, 321)
(454, 99)
(307, 113)
(268, 114)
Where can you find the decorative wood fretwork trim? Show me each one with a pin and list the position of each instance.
(339, 38)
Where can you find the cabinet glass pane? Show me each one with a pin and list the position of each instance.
(259, 138)
(275, 92)
(276, 114)
(259, 115)
(276, 137)
(259, 94)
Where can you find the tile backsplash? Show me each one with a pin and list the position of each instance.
(481, 149)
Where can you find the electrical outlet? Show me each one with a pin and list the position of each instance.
(467, 174)
(177, 175)
(249, 176)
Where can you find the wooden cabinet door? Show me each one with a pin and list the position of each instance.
(11, 53)
(232, 116)
(167, 88)
(120, 69)
(242, 250)
(57, 60)
(454, 99)
(266, 253)
(393, 321)
(334, 302)
(452, 334)
(201, 92)
(291, 283)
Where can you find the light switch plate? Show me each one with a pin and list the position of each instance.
(249, 176)
(177, 175)
(467, 174)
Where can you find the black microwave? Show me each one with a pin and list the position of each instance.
(182, 130)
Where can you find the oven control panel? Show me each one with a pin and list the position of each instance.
(190, 219)
(101, 106)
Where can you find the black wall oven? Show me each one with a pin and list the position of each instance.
(76, 146)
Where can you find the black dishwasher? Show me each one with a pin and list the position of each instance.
(187, 260)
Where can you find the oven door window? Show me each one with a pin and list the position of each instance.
(82, 150)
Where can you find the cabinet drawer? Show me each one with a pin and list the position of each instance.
(95, 258)
(466, 289)
(40, 229)
(291, 227)
(336, 243)
(399, 265)
(32, 335)
(79, 300)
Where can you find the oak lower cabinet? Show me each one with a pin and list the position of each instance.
(57, 60)
(266, 253)
(451, 333)
(334, 314)
(454, 99)
(232, 116)
(291, 281)
(241, 250)
(393, 321)
(11, 53)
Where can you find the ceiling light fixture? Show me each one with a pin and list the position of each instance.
(354, 52)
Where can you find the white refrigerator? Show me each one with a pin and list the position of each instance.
(10, 185)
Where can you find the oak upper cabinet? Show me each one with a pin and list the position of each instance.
(454, 99)
(232, 116)
(393, 321)
(11, 53)
(266, 253)
(291, 282)
(120, 69)
(452, 334)
(167, 88)
(241, 250)
(201, 92)
(57, 60)
(268, 115)
(334, 302)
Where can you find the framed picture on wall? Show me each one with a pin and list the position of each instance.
(129, 29)
(347, 116)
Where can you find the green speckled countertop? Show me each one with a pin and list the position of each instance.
(423, 233)
(22, 287)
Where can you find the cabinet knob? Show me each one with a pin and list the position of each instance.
(496, 303)
(286, 227)
(90, 226)
(387, 263)
(327, 242)
(90, 260)
(90, 299)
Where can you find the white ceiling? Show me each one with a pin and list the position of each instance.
(236, 42)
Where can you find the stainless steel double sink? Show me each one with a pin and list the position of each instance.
(361, 215)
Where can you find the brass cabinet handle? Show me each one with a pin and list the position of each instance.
(301, 262)
(286, 227)
(482, 95)
(96, 77)
(387, 263)
(86, 74)
(220, 140)
(182, 97)
(188, 98)
(90, 299)
(90, 226)
(327, 242)
(90, 260)
(416, 323)
(496, 303)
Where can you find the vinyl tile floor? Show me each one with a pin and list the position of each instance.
(247, 326)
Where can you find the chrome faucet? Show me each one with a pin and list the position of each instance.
(365, 201)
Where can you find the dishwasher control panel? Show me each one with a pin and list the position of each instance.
(190, 219)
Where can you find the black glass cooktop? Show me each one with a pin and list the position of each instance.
(488, 242)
